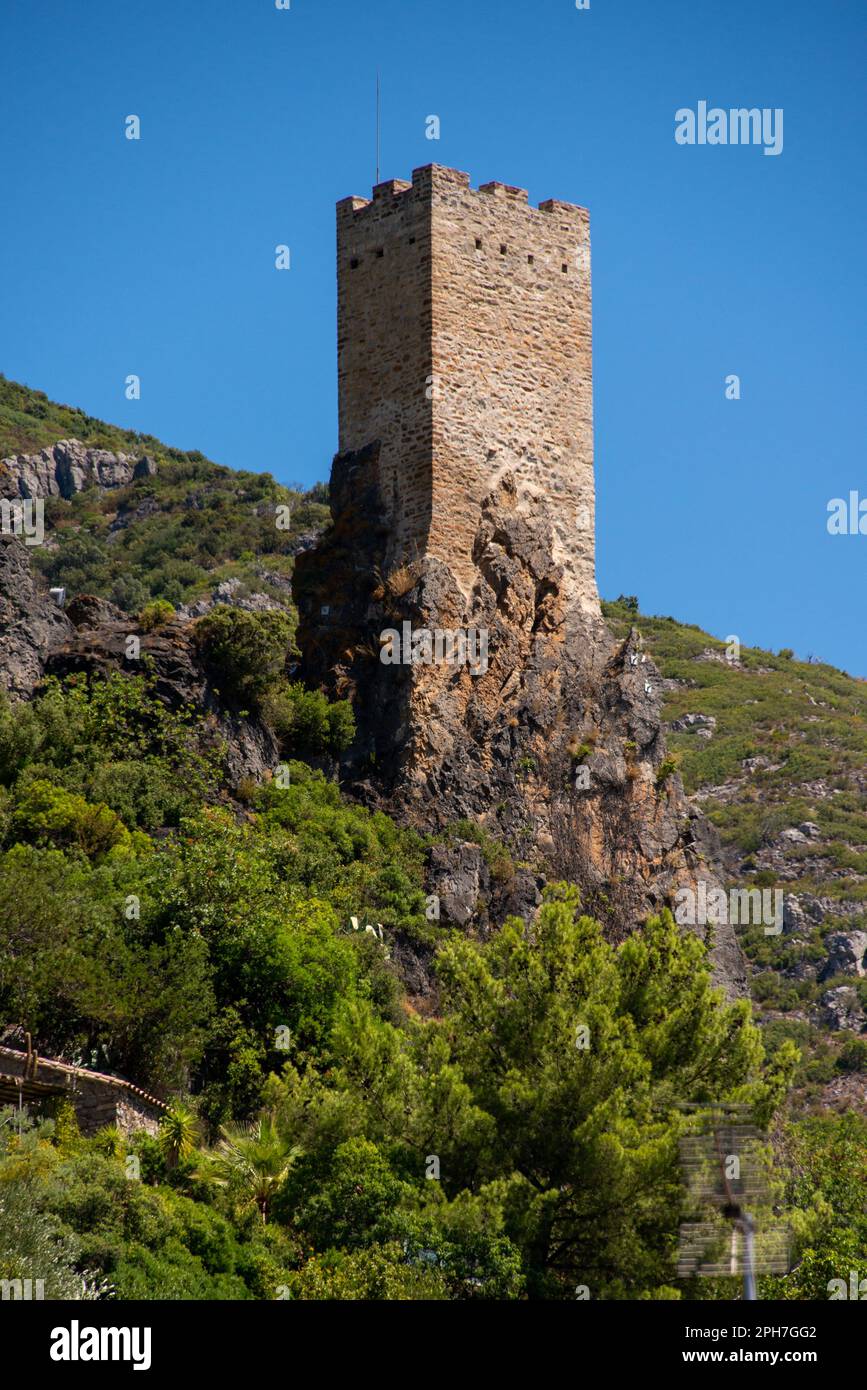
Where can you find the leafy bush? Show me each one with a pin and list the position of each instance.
(305, 722)
(246, 650)
(33, 1243)
(47, 814)
(155, 614)
(85, 974)
(110, 741)
(853, 1055)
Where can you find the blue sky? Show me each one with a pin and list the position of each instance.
(157, 257)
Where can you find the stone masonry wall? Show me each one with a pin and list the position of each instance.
(464, 345)
(512, 363)
(98, 1099)
(384, 349)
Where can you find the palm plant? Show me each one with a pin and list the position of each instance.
(111, 1141)
(178, 1133)
(253, 1161)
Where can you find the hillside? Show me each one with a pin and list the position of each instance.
(367, 1031)
(764, 744)
(774, 751)
(174, 535)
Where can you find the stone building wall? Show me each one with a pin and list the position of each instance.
(98, 1099)
(384, 349)
(464, 345)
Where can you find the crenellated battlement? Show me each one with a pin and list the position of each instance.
(439, 176)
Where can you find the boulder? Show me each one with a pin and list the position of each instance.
(702, 725)
(846, 952)
(841, 1009)
(792, 836)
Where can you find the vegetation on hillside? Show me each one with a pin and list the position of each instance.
(788, 748)
(325, 1139)
(171, 536)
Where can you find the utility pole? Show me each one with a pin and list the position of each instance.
(742, 1222)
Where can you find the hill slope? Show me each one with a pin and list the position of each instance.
(174, 535)
(175, 912)
(775, 752)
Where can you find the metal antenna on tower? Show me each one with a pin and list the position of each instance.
(378, 125)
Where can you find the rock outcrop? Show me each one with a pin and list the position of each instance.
(67, 468)
(31, 624)
(90, 635)
(97, 644)
(552, 741)
(846, 954)
(841, 1009)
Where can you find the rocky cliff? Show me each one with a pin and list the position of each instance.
(31, 624)
(547, 734)
(90, 636)
(69, 467)
(551, 741)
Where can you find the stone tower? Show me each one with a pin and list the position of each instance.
(464, 348)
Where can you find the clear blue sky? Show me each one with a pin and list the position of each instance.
(157, 257)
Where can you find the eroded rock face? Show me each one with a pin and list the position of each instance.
(553, 742)
(458, 875)
(31, 624)
(67, 468)
(98, 645)
(38, 638)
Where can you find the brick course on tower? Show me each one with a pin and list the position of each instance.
(464, 347)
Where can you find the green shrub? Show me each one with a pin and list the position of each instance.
(246, 650)
(305, 722)
(47, 814)
(110, 741)
(667, 768)
(853, 1055)
(155, 614)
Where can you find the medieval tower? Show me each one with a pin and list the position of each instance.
(464, 348)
